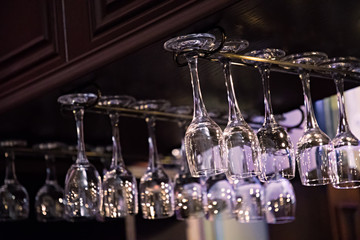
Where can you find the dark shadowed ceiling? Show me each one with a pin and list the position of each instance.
(149, 73)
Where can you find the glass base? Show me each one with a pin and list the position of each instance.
(282, 220)
(207, 172)
(347, 184)
(316, 182)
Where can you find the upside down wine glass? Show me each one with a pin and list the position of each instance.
(314, 147)
(220, 198)
(189, 202)
(346, 170)
(277, 153)
(204, 141)
(249, 200)
(279, 201)
(14, 199)
(156, 190)
(83, 190)
(120, 197)
(241, 141)
(49, 200)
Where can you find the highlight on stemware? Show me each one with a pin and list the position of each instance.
(346, 170)
(189, 197)
(241, 142)
(49, 200)
(249, 200)
(204, 142)
(279, 201)
(314, 147)
(156, 188)
(14, 198)
(83, 187)
(120, 196)
(276, 149)
(220, 198)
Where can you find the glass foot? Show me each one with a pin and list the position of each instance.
(191, 42)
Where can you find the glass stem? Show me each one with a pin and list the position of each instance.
(309, 110)
(199, 106)
(265, 76)
(234, 110)
(10, 176)
(117, 159)
(343, 123)
(50, 169)
(153, 154)
(79, 116)
(184, 169)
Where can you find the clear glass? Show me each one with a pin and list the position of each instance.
(49, 200)
(220, 198)
(156, 188)
(280, 201)
(204, 142)
(14, 199)
(241, 142)
(83, 189)
(314, 147)
(346, 170)
(249, 200)
(277, 152)
(119, 185)
(189, 198)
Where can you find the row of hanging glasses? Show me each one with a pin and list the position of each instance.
(87, 197)
(220, 171)
(271, 155)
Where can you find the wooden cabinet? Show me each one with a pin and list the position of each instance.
(47, 43)
(32, 42)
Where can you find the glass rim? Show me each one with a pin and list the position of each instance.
(13, 143)
(241, 44)
(157, 105)
(116, 100)
(50, 146)
(270, 54)
(169, 44)
(314, 55)
(70, 99)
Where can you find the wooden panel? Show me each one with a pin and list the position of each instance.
(98, 23)
(345, 213)
(90, 49)
(32, 41)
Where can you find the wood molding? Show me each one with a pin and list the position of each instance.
(34, 84)
(42, 46)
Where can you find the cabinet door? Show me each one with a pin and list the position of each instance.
(32, 42)
(94, 25)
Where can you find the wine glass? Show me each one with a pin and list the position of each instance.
(277, 152)
(313, 148)
(83, 190)
(220, 197)
(49, 200)
(188, 190)
(280, 200)
(241, 141)
(14, 199)
(346, 171)
(204, 142)
(119, 185)
(156, 190)
(249, 199)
